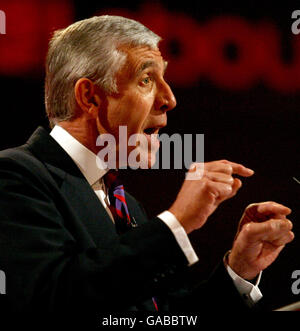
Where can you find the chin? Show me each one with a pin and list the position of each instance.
(151, 160)
(145, 160)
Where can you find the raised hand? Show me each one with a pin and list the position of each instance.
(201, 195)
(263, 232)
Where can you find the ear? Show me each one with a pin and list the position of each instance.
(86, 97)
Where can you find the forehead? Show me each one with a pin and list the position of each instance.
(140, 58)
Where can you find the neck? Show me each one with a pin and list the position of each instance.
(85, 131)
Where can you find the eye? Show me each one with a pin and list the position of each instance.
(146, 81)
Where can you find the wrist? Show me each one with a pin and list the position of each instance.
(185, 224)
(240, 268)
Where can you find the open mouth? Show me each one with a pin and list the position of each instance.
(152, 136)
(150, 131)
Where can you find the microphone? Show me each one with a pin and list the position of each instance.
(296, 180)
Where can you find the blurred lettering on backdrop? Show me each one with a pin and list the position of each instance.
(228, 50)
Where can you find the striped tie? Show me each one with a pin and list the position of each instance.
(118, 205)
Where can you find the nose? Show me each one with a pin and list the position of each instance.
(165, 99)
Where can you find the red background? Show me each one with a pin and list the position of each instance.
(234, 68)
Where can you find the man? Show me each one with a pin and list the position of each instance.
(59, 247)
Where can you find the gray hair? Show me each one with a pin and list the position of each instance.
(88, 48)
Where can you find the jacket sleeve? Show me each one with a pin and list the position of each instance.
(216, 294)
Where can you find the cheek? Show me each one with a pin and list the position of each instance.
(134, 113)
(131, 109)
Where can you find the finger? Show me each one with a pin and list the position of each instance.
(220, 177)
(283, 240)
(237, 184)
(260, 212)
(273, 208)
(266, 231)
(218, 166)
(239, 169)
(220, 191)
(276, 229)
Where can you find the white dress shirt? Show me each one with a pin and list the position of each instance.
(87, 163)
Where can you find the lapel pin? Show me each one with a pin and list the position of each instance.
(133, 222)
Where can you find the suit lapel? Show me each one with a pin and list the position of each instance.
(80, 196)
(89, 209)
(46, 149)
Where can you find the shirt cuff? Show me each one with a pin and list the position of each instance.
(180, 235)
(250, 292)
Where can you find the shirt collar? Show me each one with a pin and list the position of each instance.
(85, 159)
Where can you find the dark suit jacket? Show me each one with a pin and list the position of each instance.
(60, 251)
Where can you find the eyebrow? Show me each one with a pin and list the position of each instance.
(150, 63)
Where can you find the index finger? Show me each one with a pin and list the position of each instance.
(273, 208)
(260, 212)
(239, 169)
